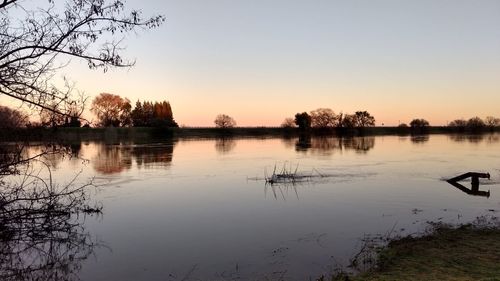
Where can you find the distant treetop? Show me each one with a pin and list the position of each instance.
(149, 114)
(224, 121)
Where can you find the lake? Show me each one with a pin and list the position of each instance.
(200, 209)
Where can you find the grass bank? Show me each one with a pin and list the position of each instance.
(466, 252)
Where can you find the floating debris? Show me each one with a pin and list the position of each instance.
(287, 175)
(474, 190)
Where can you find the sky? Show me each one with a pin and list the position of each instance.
(261, 61)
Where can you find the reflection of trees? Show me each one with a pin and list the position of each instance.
(470, 138)
(419, 139)
(52, 154)
(475, 138)
(303, 143)
(41, 235)
(9, 155)
(153, 155)
(224, 145)
(112, 159)
(493, 138)
(288, 142)
(327, 145)
(359, 144)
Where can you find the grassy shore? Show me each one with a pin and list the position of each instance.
(86, 134)
(467, 252)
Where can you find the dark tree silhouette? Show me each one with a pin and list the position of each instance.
(12, 118)
(475, 124)
(348, 121)
(363, 119)
(303, 120)
(36, 39)
(458, 125)
(492, 122)
(224, 121)
(148, 114)
(323, 118)
(419, 123)
(288, 123)
(419, 126)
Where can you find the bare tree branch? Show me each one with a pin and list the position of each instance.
(31, 45)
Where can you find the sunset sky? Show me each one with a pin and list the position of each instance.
(261, 61)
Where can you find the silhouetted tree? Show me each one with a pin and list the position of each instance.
(34, 36)
(475, 124)
(403, 128)
(288, 123)
(148, 114)
(224, 121)
(363, 119)
(303, 120)
(458, 125)
(419, 123)
(111, 110)
(492, 122)
(348, 121)
(12, 118)
(323, 118)
(137, 115)
(73, 110)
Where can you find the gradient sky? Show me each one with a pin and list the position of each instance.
(260, 61)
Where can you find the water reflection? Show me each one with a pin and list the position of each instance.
(114, 159)
(42, 232)
(474, 190)
(202, 204)
(419, 139)
(469, 138)
(57, 255)
(9, 154)
(158, 155)
(359, 144)
(475, 139)
(225, 145)
(281, 191)
(328, 145)
(52, 154)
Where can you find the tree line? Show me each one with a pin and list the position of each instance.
(115, 111)
(326, 118)
(474, 124)
(110, 111)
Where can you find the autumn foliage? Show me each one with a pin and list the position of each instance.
(111, 110)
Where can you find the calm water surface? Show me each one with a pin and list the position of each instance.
(199, 209)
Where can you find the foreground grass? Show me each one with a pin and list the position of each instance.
(469, 252)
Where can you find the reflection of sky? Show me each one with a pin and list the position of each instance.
(261, 61)
(202, 209)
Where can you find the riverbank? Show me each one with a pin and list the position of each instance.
(466, 252)
(137, 133)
